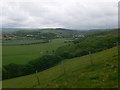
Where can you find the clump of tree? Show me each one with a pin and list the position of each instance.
(45, 62)
(82, 46)
(40, 64)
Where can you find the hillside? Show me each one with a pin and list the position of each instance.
(79, 72)
(43, 32)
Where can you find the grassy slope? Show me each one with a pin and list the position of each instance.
(79, 73)
(21, 54)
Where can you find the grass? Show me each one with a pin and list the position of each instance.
(21, 54)
(79, 73)
(22, 42)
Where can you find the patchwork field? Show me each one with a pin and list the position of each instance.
(21, 54)
(79, 72)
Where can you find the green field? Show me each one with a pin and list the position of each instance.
(79, 73)
(21, 54)
(22, 42)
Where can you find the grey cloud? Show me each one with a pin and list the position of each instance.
(73, 15)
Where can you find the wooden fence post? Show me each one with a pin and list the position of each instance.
(117, 44)
(37, 78)
(63, 67)
(90, 57)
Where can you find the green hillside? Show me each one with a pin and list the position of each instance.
(79, 72)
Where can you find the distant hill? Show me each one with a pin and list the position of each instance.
(61, 32)
(6, 29)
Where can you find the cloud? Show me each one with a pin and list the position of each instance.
(75, 14)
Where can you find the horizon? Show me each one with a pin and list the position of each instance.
(55, 29)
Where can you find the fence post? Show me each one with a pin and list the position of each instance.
(63, 67)
(117, 44)
(37, 78)
(90, 57)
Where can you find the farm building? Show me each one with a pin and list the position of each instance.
(78, 36)
(58, 36)
(29, 35)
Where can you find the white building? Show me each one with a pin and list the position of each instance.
(78, 36)
(29, 35)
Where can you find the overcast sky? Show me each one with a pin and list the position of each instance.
(72, 14)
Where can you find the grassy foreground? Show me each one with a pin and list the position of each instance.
(78, 73)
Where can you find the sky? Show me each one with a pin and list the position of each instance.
(71, 14)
